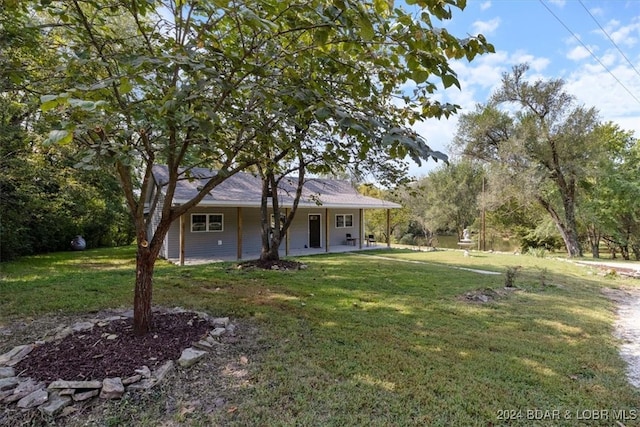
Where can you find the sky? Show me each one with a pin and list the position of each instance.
(593, 45)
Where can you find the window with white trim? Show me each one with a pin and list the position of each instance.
(207, 222)
(344, 221)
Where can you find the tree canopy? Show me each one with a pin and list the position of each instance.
(227, 85)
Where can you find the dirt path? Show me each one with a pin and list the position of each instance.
(627, 329)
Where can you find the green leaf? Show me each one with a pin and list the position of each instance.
(448, 80)
(366, 27)
(50, 102)
(125, 85)
(85, 105)
(61, 137)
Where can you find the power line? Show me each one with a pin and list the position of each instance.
(589, 50)
(609, 37)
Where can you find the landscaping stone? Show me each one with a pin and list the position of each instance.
(36, 398)
(9, 383)
(55, 405)
(57, 399)
(144, 371)
(14, 356)
(75, 384)
(86, 395)
(220, 322)
(132, 379)
(190, 356)
(24, 389)
(82, 326)
(218, 332)
(112, 388)
(162, 371)
(6, 372)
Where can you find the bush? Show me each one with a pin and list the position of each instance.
(407, 239)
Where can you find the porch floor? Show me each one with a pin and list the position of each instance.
(292, 253)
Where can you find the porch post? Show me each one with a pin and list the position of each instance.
(326, 230)
(388, 228)
(239, 233)
(286, 237)
(182, 238)
(361, 227)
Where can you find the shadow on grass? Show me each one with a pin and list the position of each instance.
(357, 340)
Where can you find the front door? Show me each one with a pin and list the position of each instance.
(314, 230)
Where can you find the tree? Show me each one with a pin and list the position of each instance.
(542, 151)
(44, 201)
(610, 200)
(333, 111)
(187, 83)
(447, 198)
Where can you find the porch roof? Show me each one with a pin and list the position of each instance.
(245, 190)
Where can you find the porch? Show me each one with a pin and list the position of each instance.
(292, 253)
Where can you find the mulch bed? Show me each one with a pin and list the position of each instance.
(89, 355)
(280, 264)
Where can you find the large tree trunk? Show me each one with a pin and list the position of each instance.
(142, 314)
(567, 229)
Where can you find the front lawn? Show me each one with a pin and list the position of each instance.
(370, 339)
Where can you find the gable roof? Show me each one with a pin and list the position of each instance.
(245, 190)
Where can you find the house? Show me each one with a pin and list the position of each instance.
(226, 223)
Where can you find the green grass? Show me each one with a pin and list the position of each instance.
(358, 339)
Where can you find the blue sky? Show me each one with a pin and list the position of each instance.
(593, 45)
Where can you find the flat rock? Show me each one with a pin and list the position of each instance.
(220, 322)
(7, 371)
(4, 358)
(144, 371)
(112, 388)
(16, 355)
(144, 384)
(55, 405)
(85, 395)
(8, 383)
(218, 332)
(33, 399)
(23, 389)
(190, 356)
(162, 371)
(132, 379)
(82, 326)
(75, 384)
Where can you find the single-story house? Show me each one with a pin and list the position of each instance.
(226, 223)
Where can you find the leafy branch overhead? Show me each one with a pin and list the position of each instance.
(226, 85)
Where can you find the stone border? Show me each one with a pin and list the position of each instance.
(58, 397)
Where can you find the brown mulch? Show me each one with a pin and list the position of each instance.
(89, 355)
(280, 264)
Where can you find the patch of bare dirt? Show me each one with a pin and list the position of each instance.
(483, 296)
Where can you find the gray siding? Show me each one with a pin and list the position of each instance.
(338, 236)
(205, 244)
(224, 244)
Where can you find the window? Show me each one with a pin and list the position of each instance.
(283, 218)
(344, 221)
(207, 222)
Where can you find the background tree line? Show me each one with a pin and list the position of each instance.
(554, 176)
(44, 200)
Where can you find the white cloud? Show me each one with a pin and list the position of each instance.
(486, 27)
(485, 5)
(623, 36)
(578, 53)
